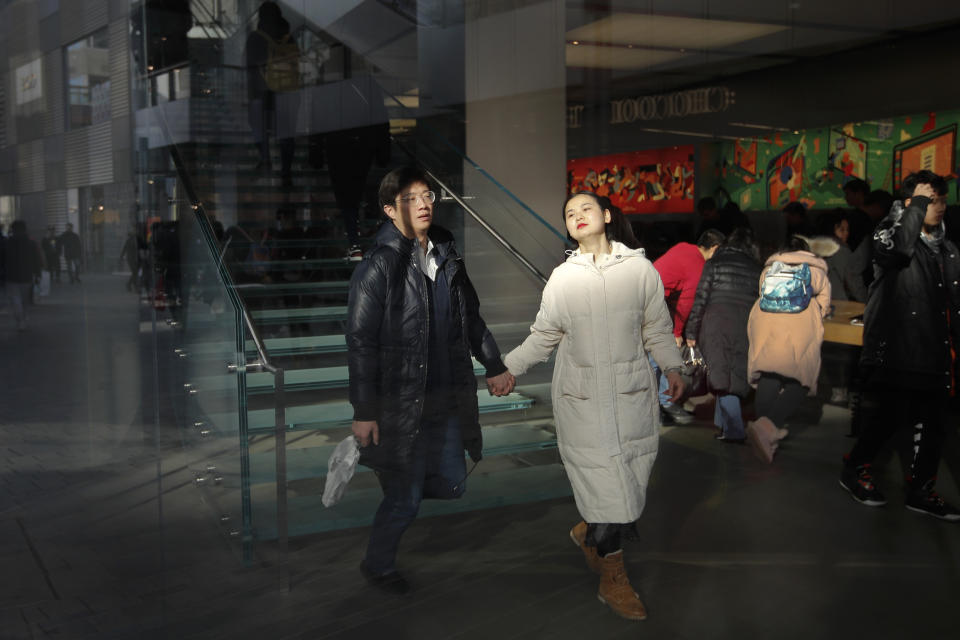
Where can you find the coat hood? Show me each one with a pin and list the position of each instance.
(822, 246)
(796, 257)
(388, 235)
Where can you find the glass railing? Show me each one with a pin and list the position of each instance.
(269, 239)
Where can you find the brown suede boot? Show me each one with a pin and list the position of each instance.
(615, 590)
(579, 535)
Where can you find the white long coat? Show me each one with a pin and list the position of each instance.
(604, 317)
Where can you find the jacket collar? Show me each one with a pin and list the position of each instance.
(389, 236)
(618, 251)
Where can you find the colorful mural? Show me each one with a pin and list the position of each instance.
(655, 181)
(811, 166)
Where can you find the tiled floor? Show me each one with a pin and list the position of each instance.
(103, 535)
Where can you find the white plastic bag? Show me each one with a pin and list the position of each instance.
(340, 468)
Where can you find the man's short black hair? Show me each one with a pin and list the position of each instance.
(710, 238)
(394, 183)
(795, 209)
(923, 177)
(858, 186)
(879, 197)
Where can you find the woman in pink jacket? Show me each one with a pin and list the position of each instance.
(785, 339)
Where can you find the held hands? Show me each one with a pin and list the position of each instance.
(676, 386)
(365, 431)
(502, 384)
(691, 342)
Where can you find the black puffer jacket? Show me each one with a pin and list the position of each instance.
(388, 340)
(907, 335)
(718, 320)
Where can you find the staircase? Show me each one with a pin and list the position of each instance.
(294, 284)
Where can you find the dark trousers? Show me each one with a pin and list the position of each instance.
(778, 397)
(73, 268)
(606, 537)
(887, 409)
(438, 471)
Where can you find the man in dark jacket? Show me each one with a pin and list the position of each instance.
(51, 254)
(911, 327)
(69, 245)
(413, 323)
(21, 266)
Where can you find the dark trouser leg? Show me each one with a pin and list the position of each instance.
(438, 471)
(605, 537)
(884, 411)
(778, 397)
(287, 147)
(446, 467)
(768, 390)
(402, 493)
(928, 440)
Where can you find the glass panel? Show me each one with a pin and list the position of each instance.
(88, 80)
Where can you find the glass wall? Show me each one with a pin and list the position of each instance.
(217, 163)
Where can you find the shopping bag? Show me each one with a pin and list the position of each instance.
(44, 283)
(695, 370)
(340, 468)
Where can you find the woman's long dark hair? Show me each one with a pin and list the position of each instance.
(618, 229)
(742, 239)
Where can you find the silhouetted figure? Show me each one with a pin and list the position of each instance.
(131, 251)
(861, 226)
(350, 153)
(798, 224)
(51, 254)
(273, 78)
(69, 245)
(21, 268)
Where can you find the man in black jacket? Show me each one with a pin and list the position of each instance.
(413, 322)
(911, 326)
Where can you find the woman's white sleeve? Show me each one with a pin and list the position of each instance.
(545, 334)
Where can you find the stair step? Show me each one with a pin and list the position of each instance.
(294, 380)
(329, 415)
(311, 462)
(291, 288)
(300, 314)
(307, 515)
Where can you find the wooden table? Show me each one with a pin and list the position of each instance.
(837, 328)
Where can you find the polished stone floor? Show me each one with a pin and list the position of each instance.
(103, 535)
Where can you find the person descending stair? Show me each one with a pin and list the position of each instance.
(603, 310)
(413, 322)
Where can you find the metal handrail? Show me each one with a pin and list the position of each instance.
(477, 217)
(280, 423)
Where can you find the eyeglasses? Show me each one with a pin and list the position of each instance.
(427, 196)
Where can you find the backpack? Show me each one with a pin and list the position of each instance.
(786, 288)
(282, 70)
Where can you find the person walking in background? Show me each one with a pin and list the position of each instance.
(718, 326)
(846, 278)
(51, 254)
(680, 270)
(413, 322)
(603, 310)
(273, 78)
(69, 245)
(911, 327)
(785, 330)
(21, 269)
(131, 251)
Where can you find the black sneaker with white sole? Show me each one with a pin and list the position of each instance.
(926, 500)
(858, 481)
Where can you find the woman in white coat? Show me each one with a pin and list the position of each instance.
(604, 310)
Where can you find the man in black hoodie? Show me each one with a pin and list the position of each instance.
(911, 328)
(21, 265)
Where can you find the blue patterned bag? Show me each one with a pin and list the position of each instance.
(786, 288)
